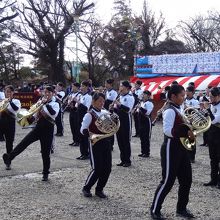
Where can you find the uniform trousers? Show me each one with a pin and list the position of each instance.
(145, 133)
(7, 128)
(59, 122)
(101, 162)
(44, 132)
(136, 123)
(124, 136)
(74, 125)
(175, 164)
(214, 153)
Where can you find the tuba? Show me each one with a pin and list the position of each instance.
(4, 104)
(198, 121)
(108, 124)
(23, 114)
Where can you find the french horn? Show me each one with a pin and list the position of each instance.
(108, 124)
(198, 121)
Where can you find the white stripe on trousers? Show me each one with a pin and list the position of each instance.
(92, 162)
(167, 174)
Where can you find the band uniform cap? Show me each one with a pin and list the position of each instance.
(139, 82)
(125, 84)
(147, 92)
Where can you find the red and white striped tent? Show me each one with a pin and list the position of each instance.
(156, 85)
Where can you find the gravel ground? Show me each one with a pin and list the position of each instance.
(130, 190)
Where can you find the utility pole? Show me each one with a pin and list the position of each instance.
(77, 66)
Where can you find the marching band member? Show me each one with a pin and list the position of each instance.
(137, 96)
(123, 108)
(100, 152)
(144, 116)
(83, 106)
(175, 161)
(214, 138)
(190, 101)
(59, 119)
(205, 98)
(7, 119)
(43, 131)
(110, 96)
(73, 116)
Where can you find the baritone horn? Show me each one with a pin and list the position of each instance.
(108, 124)
(23, 114)
(198, 122)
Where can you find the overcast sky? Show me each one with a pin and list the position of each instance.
(173, 10)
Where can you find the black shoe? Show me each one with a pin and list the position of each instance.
(101, 194)
(76, 144)
(6, 159)
(52, 151)
(185, 214)
(59, 134)
(120, 164)
(45, 177)
(126, 164)
(72, 144)
(136, 135)
(143, 155)
(83, 157)
(203, 145)
(210, 183)
(156, 215)
(8, 167)
(86, 192)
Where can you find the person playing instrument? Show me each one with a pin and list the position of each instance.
(144, 116)
(43, 131)
(213, 138)
(123, 108)
(59, 119)
(205, 98)
(7, 119)
(175, 160)
(190, 101)
(110, 96)
(137, 93)
(83, 106)
(73, 116)
(100, 152)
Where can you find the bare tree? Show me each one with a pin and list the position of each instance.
(7, 10)
(89, 36)
(202, 33)
(44, 25)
